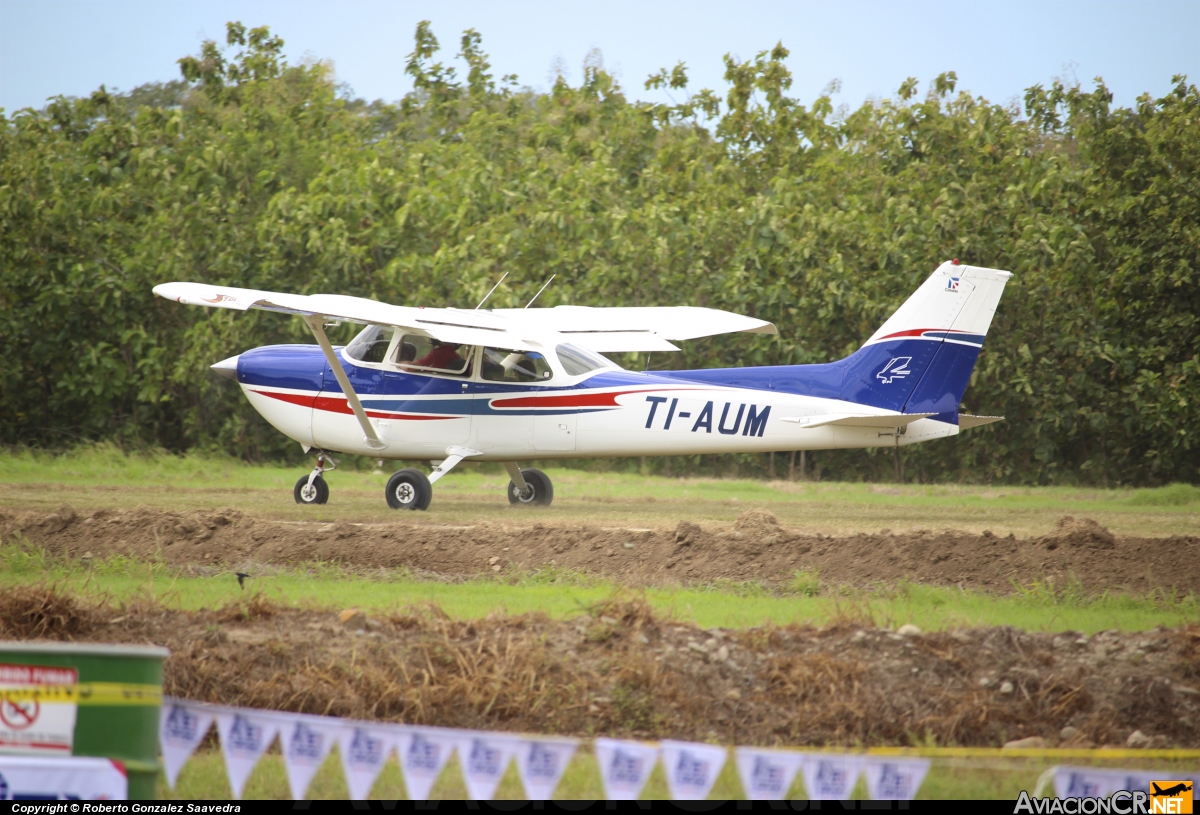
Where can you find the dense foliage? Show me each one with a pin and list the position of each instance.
(254, 173)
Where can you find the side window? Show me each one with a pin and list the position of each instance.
(506, 365)
(418, 354)
(371, 344)
(578, 361)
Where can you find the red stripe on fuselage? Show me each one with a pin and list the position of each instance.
(570, 400)
(917, 332)
(342, 406)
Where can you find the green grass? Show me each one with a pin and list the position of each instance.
(965, 779)
(101, 476)
(562, 595)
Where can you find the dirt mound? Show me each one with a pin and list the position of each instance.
(33, 612)
(759, 522)
(620, 670)
(1082, 532)
(755, 548)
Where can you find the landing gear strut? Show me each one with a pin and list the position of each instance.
(529, 486)
(312, 489)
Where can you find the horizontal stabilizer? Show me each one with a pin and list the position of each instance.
(857, 419)
(966, 420)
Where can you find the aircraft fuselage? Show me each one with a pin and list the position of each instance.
(610, 412)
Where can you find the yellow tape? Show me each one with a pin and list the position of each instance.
(1043, 752)
(106, 694)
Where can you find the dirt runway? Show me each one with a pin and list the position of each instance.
(755, 548)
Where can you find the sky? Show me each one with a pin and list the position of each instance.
(998, 48)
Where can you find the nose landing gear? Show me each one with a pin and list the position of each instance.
(312, 489)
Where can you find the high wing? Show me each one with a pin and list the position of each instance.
(636, 328)
(598, 329)
(446, 324)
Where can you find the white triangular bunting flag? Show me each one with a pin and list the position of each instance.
(541, 763)
(244, 738)
(306, 743)
(1090, 782)
(830, 777)
(767, 775)
(180, 730)
(624, 767)
(895, 779)
(484, 758)
(692, 768)
(423, 755)
(364, 751)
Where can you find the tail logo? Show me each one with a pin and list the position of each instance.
(897, 368)
(952, 284)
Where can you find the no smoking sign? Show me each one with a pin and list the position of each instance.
(33, 720)
(19, 715)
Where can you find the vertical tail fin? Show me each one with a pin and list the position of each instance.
(921, 359)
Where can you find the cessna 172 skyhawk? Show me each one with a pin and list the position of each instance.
(447, 385)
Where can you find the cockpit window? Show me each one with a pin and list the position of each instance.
(371, 344)
(505, 365)
(577, 361)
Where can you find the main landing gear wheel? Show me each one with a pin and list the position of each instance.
(408, 489)
(315, 493)
(540, 491)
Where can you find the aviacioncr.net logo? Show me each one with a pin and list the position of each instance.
(1122, 802)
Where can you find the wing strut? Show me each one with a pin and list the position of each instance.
(316, 323)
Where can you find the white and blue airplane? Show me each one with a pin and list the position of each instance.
(448, 385)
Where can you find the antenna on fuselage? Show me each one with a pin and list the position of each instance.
(542, 289)
(489, 294)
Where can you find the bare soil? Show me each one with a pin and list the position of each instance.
(756, 547)
(620, 671)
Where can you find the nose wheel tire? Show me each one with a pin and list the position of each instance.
(408, 489)
(539, 493)
(315, 493)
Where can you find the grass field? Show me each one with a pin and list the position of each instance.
(560, 595)
(100, 477)
(103, 477)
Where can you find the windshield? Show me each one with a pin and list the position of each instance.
(371, 344)
(577, 361)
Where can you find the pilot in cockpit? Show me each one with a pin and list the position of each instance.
(443, 356)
